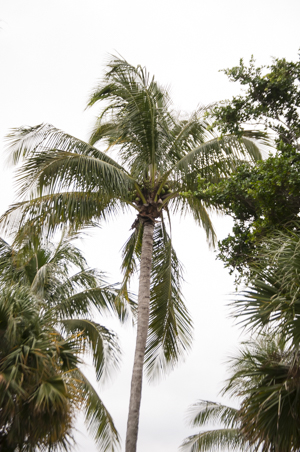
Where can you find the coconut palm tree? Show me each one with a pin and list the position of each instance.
(45, 328)
(160, 155)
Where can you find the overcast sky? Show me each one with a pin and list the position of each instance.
(52, 54)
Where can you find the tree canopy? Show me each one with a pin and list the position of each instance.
(265, 197)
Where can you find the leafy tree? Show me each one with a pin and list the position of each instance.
(45, 327)
(271, 99)
(159, 156)
(261, 200)
(264, 198)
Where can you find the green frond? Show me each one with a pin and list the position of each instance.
(131, 252)
(138, 107)
(101, 131)
(273, 297)
(51, 392)
(99, 340)
(98, 419)
(51, 212)
(170, 326)
(200, 212)
(102, 298)
(214, 159)
(215, 440)
(125, 301)
(188, 134)
(57, 162)
(26, 142)
(204, 411)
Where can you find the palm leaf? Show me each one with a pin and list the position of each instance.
(138, 107)
(213, 159)
(98, 419)
(57, 162)
(51, 212)
(170, 326)
(266, 376)
(215, 440)
(100, 340)
(131, 252)
(205, 411)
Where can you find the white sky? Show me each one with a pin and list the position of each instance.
(52, 53)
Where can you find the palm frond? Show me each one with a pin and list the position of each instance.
(56, 162)
(215, 440)
(102, 298)
(52, 212)
(125, 301)
(138, 108)
(131, 252)
(214, 159)
(101, 341)
(273, 297)
(204, 411)
(199, 210)
(265, 375)
(98, 419)
(170, 326)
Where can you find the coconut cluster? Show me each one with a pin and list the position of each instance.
(149, 193)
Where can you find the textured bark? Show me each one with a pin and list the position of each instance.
(141, 338)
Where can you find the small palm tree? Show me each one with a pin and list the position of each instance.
(265, 378)
(160, 156)
(266, 374)
(45, 327)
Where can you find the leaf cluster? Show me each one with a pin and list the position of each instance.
(271, 100)
(260, 200)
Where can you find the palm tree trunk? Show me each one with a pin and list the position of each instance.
(141, 338)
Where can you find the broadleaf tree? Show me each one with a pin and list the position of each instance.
(264, 198)
(63, 180)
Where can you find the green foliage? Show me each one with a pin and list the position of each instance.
(272, 300)
(266, 378)
(226, 434)
(42, 344)
(271, 99)
(261, 200)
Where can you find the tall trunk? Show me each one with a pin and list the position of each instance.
(141, 338)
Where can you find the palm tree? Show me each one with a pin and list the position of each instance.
(45, 327)
(266, 374)
(265, 378)
(160, 156)
(36, 408)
